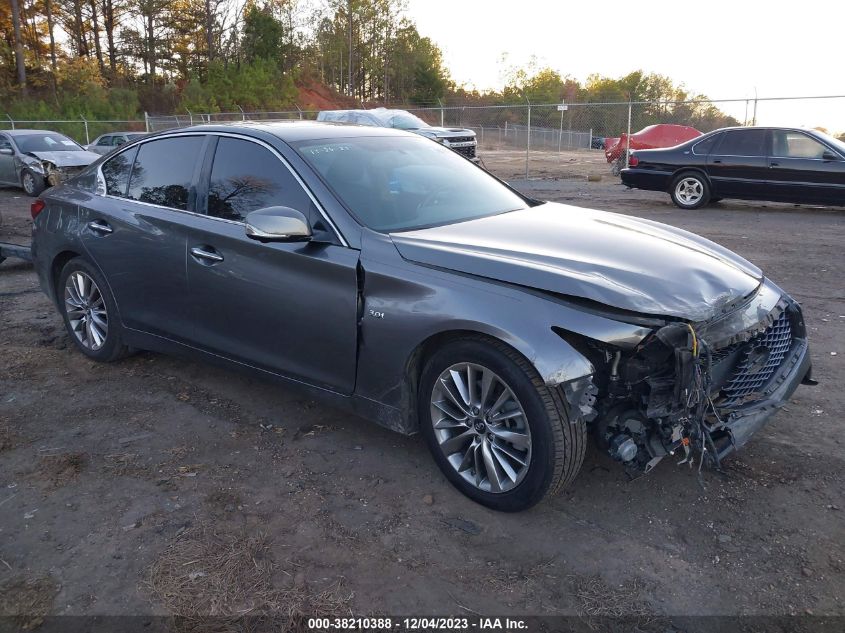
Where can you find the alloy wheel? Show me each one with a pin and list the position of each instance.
(481, 427)
(689, 191)
(86, 310)
(29, 183)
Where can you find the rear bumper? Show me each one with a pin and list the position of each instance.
(646, 179)
(745, 422)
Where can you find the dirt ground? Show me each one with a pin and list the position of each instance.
(156, 485)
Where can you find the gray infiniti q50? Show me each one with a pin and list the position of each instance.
(388, 275)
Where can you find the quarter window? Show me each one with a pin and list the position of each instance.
(246, 177)
(795, 145)
(163, 171)
(116, 172)
(702, 148)
(743, 143)
(104, 140)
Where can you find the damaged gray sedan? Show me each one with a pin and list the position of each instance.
(37, 159)
(386, 275)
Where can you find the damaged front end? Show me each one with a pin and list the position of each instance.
(54, 175)
(699, 390)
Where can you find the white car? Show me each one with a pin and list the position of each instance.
(107, 142)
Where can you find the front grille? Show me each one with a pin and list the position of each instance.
(745, 380)
(468, 151)
(461, 139)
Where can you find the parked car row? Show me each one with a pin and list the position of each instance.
(387, 275)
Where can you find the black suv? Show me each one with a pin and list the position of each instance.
(753, 163)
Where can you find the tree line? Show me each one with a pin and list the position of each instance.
(104, 57)
(114, 59)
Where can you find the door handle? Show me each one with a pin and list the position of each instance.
(210, 256)
(100, 227)
(717, 162)
(773, 164)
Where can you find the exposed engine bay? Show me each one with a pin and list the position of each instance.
(695, 391)
(57, 175)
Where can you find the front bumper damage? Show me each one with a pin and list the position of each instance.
(698, 391)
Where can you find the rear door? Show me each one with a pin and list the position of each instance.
(289, 308)
(135, 231)
(803, 169)
(738, 166)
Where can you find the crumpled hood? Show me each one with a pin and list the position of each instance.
(617, 260)
(68, 159)
(445, 132)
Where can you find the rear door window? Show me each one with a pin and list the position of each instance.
(163, 171)
(743, 143)
(246, 176)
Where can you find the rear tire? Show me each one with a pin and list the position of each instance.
(90, 312)
(32, 183)
(528, 442)
(690, 190)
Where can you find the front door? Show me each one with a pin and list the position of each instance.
(135, 229)
(802, 169)
(738, 167)
(289, 308)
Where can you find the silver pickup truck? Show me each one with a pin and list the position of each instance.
(461, 140)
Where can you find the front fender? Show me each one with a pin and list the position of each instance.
(405, 306)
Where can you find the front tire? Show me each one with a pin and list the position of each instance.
(32, 183)
(90, 312)
(690, 190)
(497, 432)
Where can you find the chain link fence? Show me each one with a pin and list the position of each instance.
(525, 139)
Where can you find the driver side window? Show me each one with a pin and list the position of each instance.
(246, 176)
(795, 145)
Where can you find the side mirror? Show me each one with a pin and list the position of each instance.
(277, 224)
(7, 151)
(828, 155)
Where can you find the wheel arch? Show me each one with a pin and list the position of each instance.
(56, 265)
(686, 169)
(417, 358)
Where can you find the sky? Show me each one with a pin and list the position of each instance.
(723, 49)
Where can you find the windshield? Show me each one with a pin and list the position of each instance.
(46, 143)
(392, 183)
(405, 121)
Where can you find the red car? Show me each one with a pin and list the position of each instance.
(651, 137)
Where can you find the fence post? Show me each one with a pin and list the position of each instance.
(628, 138)
(87, 139)
(441, 111)
(560, 133)
(298, 110)
(528, 139)
(243, 115)
(146, 122)
(590, 144)
(11, 121)
(190, 115)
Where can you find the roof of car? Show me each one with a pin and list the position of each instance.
(292, 131)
